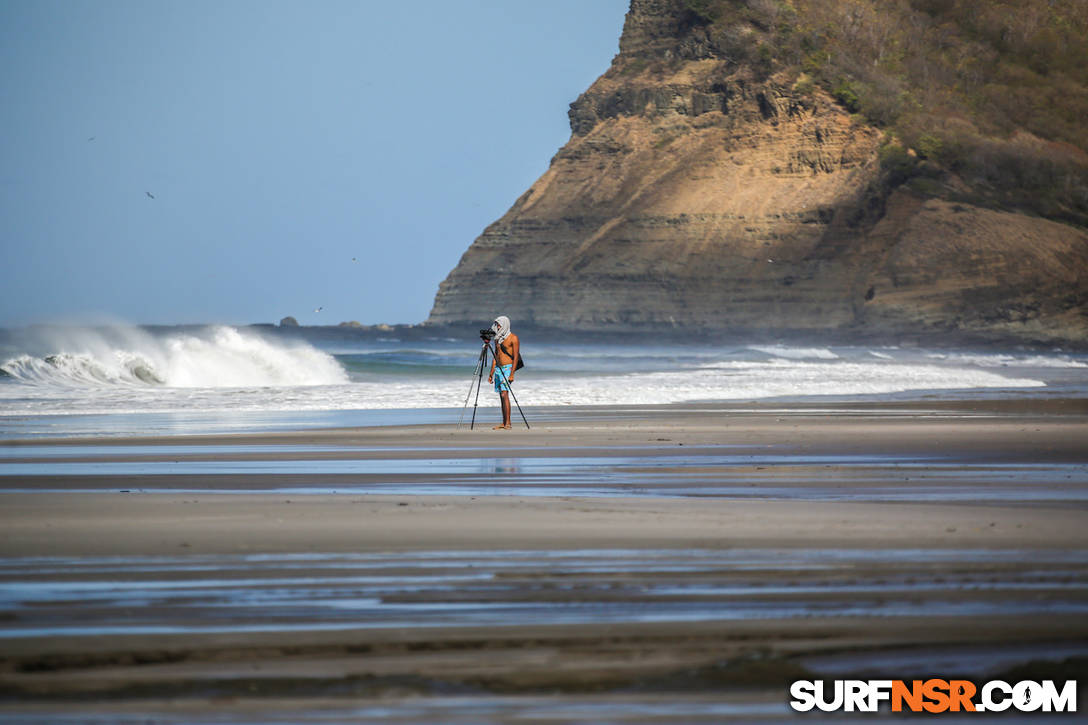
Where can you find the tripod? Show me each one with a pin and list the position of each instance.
(477, 380)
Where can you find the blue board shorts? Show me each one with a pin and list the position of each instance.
(501, 383)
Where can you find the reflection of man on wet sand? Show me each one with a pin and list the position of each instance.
(507, 351)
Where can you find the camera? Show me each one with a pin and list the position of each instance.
(487, 335)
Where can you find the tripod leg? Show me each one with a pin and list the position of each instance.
(471, 382)
(515, 399)
(479, 381)
(475, 374)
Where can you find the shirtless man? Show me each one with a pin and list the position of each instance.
(507, 349)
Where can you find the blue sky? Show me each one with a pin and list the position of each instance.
(280, 140)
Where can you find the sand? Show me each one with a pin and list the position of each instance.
(840, 506)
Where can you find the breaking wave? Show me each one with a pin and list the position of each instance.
(996, 360)
(217, 357)
(796, 353)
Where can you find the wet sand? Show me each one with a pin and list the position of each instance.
(691, 559)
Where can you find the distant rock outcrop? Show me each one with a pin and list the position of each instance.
(288, 322)
(696, 194)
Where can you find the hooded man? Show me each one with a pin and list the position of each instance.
(507, 352)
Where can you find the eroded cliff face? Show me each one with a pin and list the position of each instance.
(694, 196)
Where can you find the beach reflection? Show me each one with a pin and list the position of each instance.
(500, 466)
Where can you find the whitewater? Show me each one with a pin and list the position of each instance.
(48, 376)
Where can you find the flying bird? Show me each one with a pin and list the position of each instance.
(319, 309)
(149, 195)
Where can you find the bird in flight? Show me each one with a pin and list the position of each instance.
(319, 309)
(149, 195)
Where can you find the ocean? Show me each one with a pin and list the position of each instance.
(666, 555)
(123, 380)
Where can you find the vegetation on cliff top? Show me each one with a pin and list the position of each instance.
(991, 99)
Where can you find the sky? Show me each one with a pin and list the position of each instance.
(238, 161)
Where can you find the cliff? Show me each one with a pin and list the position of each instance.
(718, 180)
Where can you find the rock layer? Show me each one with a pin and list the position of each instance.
(692, 196)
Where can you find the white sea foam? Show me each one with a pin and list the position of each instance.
(796, 353)
(775, 378)
(78, 370)
(217, 357)
(1000, 360)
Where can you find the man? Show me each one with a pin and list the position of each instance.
(507, 352)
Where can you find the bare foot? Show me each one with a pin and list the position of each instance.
(501, 427)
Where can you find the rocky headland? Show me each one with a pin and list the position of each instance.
(726, 177)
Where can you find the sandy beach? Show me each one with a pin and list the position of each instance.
(693, 559)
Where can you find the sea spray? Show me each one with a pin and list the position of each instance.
(232, 359)
(214, 357)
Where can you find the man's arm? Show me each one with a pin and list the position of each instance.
(491, 374)
(514, 357)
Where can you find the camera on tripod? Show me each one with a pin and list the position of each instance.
(488, 335)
